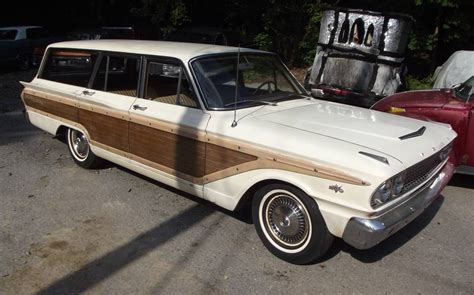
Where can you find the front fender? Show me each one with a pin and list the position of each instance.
(336, 207)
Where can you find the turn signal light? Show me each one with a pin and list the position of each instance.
(396, 110)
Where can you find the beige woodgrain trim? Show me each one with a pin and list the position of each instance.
(169, 127)
(103, 110)
(266, 158)
(61, 99)
(62, 120)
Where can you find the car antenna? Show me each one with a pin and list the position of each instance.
(234, 123)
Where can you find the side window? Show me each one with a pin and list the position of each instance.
(72, 67)
(167, 83)
(8, 34)
(118, 74)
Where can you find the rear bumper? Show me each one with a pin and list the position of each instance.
(364, 233)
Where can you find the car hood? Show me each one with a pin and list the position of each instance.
(373, 130)
(435, 98)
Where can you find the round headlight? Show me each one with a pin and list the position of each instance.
(385, 191)
(398, 184)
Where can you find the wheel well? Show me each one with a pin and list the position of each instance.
(61, 131)
(245, 202)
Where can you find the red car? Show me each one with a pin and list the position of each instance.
(454, 106)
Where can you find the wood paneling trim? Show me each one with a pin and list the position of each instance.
(105, 129)
(177, 152)
(225, 157)
(57, 108)
(219, 158)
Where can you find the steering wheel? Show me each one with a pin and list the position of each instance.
(269, 82)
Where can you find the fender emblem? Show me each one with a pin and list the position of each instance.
(336, 188)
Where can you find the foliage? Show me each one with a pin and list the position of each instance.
(288, 27)
(413, 83)
(165, 15)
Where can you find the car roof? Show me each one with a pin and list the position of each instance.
(183, 51)
(20, 28)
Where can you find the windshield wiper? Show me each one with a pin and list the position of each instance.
(270, 103)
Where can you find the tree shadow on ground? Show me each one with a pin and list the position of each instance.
(101, 268)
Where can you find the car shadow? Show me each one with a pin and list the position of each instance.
(241, 215)
(392, 243)
(462, 180)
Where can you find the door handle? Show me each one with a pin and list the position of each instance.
(88, 92)
(138, 107)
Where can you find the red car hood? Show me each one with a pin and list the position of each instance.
(435, 98)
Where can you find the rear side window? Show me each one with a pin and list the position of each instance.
(8, 34)
(118, 74)
(72, 67)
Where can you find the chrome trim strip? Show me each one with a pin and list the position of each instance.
(406, 195)
(364, 233)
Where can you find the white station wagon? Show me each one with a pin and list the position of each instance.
(234, 127)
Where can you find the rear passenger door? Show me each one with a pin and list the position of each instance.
(167, 124)
(104, 105)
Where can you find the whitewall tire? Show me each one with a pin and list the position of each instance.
(290, 224)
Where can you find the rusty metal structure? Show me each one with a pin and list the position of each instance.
(360, 56)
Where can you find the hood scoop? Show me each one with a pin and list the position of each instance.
(417, 133)
(376, 157)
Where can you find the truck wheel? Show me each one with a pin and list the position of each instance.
(290, 224)
(80, 150)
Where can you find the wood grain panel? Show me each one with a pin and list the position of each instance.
(177, 152)
(219, 158)
(184, 152)
(65, 111)
(105, 129)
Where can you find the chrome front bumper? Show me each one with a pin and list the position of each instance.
(364, 233)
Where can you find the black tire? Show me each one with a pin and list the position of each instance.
(80, 150)
(289, 223)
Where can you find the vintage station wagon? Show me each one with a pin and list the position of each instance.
(234, 127)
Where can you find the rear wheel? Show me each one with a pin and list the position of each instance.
(80, 150)
(290, 224)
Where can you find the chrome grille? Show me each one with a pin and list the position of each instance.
(418, 173)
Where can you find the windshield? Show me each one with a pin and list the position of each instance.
(261, 78)
(8, 34)
(465, 90)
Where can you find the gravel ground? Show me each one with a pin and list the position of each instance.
(67, 230)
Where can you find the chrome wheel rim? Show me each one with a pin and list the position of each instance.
(79, 144)
(286, 219)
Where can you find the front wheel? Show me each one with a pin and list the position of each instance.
(290, 224)
(80, 150)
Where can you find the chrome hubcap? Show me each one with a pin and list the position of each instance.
(287, 220)
(80, 145)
